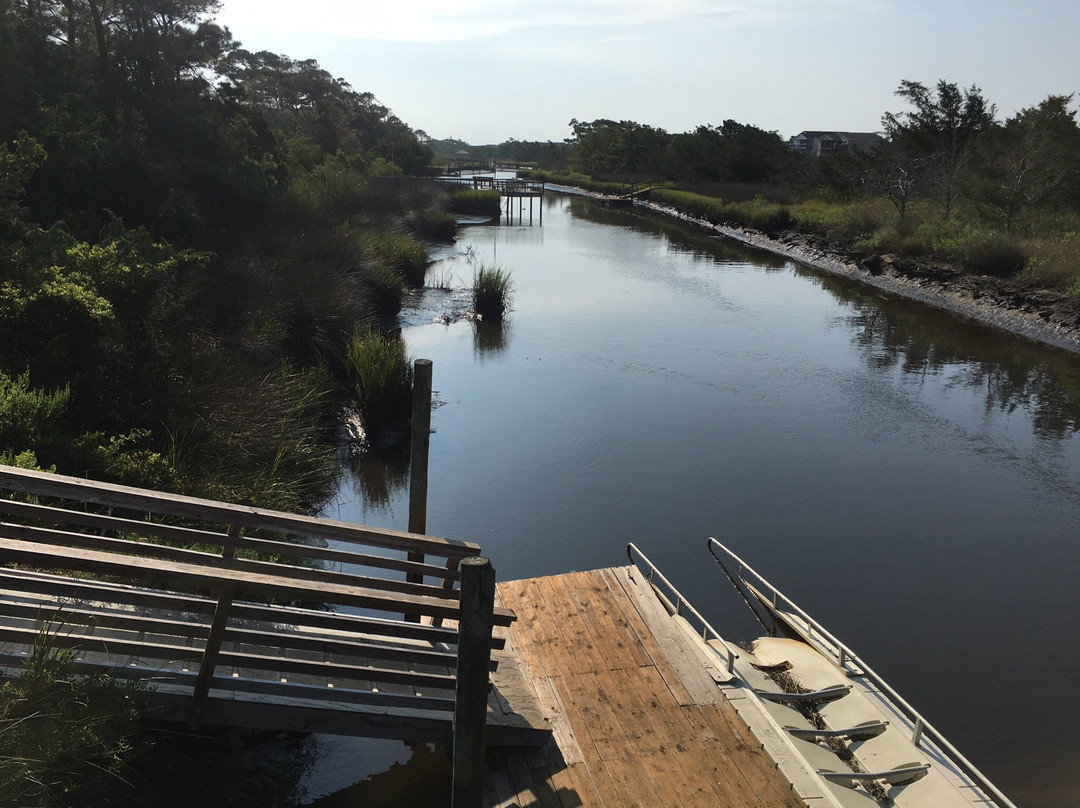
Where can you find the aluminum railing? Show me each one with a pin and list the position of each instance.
(677, 604)
(850, 662)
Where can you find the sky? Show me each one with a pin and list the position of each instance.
(484, 71)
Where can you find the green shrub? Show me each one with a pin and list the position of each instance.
(64, 738)
(381, 375)
(493, 292)
(758, 213)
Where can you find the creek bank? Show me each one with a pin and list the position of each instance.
(1012, 304)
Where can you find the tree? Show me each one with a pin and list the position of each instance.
(939, 132)
(617, 147)
(1032, 160)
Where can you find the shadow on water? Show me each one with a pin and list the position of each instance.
(231, 768)
(423, 780)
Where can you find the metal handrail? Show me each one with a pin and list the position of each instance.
(920, 726)
(679, 604)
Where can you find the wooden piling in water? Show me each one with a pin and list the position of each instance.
(418, 464)
(471, 693)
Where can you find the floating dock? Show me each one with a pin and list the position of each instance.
(633, 702)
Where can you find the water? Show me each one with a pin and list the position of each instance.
(909, 478)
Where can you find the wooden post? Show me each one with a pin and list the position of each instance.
(421, 441)
(471, 696)
(418, 464)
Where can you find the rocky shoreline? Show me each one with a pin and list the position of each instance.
(1011, 304)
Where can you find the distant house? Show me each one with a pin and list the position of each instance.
(815, 144)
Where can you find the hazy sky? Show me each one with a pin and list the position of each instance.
(487, 70)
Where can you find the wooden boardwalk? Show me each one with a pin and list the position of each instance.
(636, 713)
(186, 596)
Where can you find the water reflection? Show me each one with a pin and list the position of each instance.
(490, 339)
(1013, 373)
(681, 238)
(380, 476)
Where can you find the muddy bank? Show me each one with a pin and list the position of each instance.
(1011, 304)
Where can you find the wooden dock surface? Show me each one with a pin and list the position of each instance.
(637, 718)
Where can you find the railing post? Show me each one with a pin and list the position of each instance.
(471, 697)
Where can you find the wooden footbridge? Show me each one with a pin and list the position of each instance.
(242, 616)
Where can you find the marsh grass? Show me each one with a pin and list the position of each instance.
(381, 376)
(401, 253)
(1055, 263)
(758, 213)
(493, 292)
(476, 202)
(65, 739)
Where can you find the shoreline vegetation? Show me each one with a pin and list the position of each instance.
(949, 203)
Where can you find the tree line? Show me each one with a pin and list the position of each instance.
(190, 233)
(947, 155)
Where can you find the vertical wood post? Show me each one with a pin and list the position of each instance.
(418, 462)
(421, 441)
(471, 696)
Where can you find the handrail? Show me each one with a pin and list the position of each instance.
(680, 603)
(75, 489)
(846, 658)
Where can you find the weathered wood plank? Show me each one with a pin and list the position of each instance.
(279, 583)
(641, 737)
(162, 552)
(142, 500)
(187, 535)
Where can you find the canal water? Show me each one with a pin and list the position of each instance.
(910, 478)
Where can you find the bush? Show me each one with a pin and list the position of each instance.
(382, 376)
(492, 292)
(759, 213)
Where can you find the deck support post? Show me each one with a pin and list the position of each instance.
(471, 696)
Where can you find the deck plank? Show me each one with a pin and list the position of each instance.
(636, 717)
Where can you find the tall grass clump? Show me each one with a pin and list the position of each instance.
(476, 202)
(996, 254)
(395, 251)
(493, 291)
(64, 739)
(381, 375)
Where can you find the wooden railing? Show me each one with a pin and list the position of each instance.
(226, 610)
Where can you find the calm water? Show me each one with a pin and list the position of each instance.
(909, 478)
